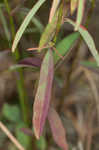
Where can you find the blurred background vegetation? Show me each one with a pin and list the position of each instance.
(75, 91)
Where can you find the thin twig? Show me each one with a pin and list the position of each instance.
(10, 136)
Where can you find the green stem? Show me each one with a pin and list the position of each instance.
(10, 18)
(20, 81)
(23, 99)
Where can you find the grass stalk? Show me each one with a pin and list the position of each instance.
(23, 99)
(20, 80)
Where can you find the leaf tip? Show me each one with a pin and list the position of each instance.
(37, 136)
(13, 49)
(36, 133)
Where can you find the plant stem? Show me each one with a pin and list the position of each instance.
(23, 99)
(20, 81)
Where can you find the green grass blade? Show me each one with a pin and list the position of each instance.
(36, 21)
(80, 12)
(88, 39)
(48, 32)
(26, 22)
(4, 23)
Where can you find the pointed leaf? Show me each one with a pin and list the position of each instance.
(80, 12)
(64, 46)
(26, 22)
(43, 94)
(57, 128)
(17, 66)
(88, 39)
(29, 62)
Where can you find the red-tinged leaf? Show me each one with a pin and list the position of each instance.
(57, 128)
(88, 39)
(30, 61)
(43, 94)
(80, 12)
(73, 5)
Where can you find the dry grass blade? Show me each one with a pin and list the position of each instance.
(11, 137)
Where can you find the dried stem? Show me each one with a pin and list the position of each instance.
(11, 137)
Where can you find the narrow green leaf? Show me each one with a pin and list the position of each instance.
(5, 26)
(26, 22)
(39, 26)
(64, 46)
(48, 33)
(88, 39)
(80, 12)
(43, 94)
